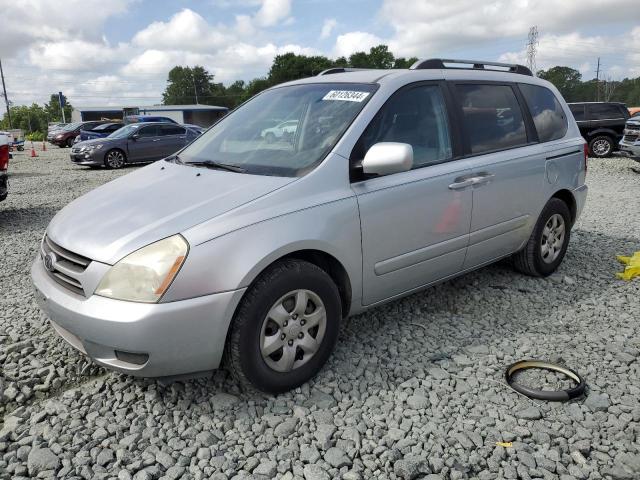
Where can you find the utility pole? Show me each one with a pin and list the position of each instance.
(532, 46)
(195, 90)
(598, 81)
(6, 100)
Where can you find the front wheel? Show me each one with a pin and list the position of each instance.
(601, 146)
(548, 243)
(285, 327)
(114, 159)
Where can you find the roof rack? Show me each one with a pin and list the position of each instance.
(331, 70)
(439, 63)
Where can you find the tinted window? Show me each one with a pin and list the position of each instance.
(416, 116)
(578, 112)
(603, 111)
(149, 131)
(492, 117)
(548, 116)
(171, 130)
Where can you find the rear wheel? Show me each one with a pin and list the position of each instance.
(285, 327)
(69, 142)
(601, 146)
(548, 243)
(114, 159)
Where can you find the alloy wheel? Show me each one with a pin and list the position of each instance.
(553, 237)
(115, 159)
(293, 330)
(601, 147)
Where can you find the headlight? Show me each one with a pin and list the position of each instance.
(59, 136)
(144, 275)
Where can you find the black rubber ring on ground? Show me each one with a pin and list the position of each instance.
(549, 395)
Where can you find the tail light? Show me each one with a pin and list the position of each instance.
(4, 157)
(586, 155)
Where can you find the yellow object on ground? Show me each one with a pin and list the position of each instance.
(632, 268)
(504, 444)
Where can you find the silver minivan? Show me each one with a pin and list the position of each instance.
(247, 252)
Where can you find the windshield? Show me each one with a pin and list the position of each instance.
(286, 131)
(124, 131)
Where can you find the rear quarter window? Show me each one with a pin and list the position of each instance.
(492, 117)
(604, 111)
(548, 116)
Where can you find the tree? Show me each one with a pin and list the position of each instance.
(566, 79)
(290, 66)
(29, 119)
(186, 85)
(53, 111)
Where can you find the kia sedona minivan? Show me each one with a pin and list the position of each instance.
(248, 252)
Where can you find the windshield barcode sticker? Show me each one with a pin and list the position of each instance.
(346, 95)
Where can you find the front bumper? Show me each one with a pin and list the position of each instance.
(140, 339)
(629, 148)
(83, 158)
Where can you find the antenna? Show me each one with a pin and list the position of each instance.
(532, 48)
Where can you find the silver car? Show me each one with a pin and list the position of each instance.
(247, 253)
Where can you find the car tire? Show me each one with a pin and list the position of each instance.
(601, 146)
(279, 337)
(69, 142)
(548, 243)
(114, 159)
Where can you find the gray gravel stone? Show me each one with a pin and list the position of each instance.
(41, 459)
(315, 472)
(411, 467)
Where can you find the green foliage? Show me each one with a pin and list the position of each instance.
(53, 111)
(29, 119)
(34, 136)
(285, 67)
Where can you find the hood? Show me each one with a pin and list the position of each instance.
(93, 141)
(152, 203)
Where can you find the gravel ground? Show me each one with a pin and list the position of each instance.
(414, 389)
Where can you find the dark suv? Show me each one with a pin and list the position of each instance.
(601, 124)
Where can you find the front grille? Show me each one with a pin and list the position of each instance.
(632, 126)
(630, 138)
(67, 266)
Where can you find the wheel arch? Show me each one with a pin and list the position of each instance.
(323, 260)
(567, 197)
(603, 132)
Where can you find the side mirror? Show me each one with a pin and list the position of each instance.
(385, 158)
(135, 136)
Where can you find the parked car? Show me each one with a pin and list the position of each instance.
(101, 131)
(134, 143)
(4, 165)
(395, 180)
(284, 130)
(66, 136)
(630, 143)
(147, 118)
(601, 125)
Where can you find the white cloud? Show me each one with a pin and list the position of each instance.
(432, 25)
(29, 21)
(327, 27)
(273, 11)
(581, 52)
(355, 42)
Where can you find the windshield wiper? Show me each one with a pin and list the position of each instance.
(214, 164)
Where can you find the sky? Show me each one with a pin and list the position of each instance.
(118, 52)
